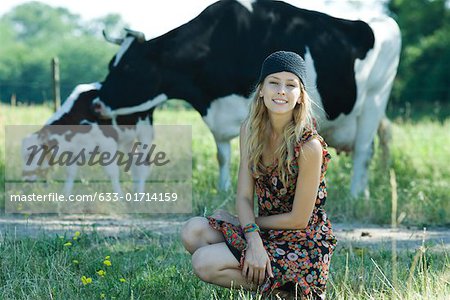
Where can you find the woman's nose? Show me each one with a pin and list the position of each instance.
(281, 90)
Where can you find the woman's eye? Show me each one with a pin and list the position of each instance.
(273, 82)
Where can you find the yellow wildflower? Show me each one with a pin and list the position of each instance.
(101, 273)
(107, 257)
(122, 280)
(76, 235)
(75, 262)
(68, 244)
(102, 296)
(107, 263)
(86, 280)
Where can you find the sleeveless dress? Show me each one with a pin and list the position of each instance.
(298, 257)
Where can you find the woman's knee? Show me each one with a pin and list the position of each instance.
(201, 266)
(192, 233)
(216, 264)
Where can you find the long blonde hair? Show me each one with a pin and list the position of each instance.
(257, 126)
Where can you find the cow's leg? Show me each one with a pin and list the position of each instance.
(224, 118)
(368, 123)
(140, 172)
(71, 173)
(113, 172)
(109, 145)
(223, 156)
(111, 169)
(361, 159)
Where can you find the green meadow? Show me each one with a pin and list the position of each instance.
(148, 265)
(419, 160)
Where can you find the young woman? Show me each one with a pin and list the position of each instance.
(288, 245)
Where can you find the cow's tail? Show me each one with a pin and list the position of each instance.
(385, 141)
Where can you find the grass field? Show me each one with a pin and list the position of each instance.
(419, 155)
(147, 265)
(150, 266)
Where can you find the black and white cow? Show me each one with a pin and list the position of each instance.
(213, 62)
(120, 134)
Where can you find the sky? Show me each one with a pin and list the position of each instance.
(160, 16)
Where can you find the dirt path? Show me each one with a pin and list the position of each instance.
(349, 235)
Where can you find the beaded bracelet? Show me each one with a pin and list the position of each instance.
(251, 227)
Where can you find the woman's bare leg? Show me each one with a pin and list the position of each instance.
(197, 233)
(216, 264)
(212, 261)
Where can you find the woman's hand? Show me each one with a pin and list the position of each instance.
(257, 262)
(223, 215)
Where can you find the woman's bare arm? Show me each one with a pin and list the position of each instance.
(257, 262)
(309, 161)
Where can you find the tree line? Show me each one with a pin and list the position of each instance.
(33, 33)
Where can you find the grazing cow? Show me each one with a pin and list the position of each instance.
(58, 131)
(213, 61)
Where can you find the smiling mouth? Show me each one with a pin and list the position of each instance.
(279, 101)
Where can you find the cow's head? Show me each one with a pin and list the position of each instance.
(134, 76)
(34, 165)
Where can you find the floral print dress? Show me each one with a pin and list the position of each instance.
(298, 257)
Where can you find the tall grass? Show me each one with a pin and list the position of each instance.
(146, 265)
(419, 155)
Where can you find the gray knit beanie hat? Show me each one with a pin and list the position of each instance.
(283, 61)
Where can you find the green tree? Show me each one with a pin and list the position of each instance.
(84, 60)
(112, 23)
(36, 22)
(33, 33)
(423, 73)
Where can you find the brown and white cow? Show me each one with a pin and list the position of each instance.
(75, 128)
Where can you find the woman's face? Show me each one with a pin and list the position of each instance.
(281, 92)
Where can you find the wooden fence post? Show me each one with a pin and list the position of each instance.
(56, 83)
(13, 99)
